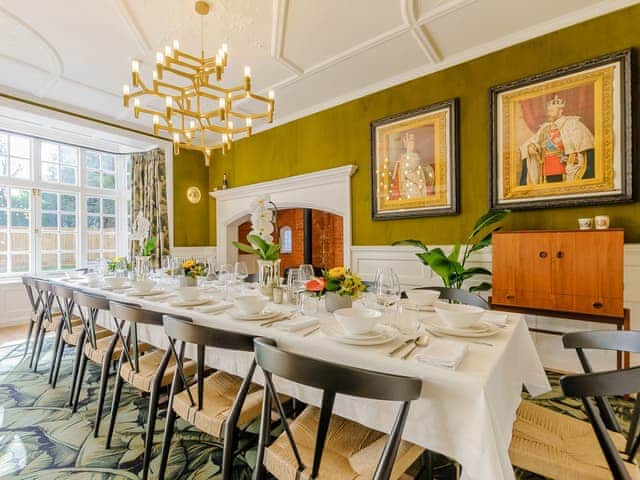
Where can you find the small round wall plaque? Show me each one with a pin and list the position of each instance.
(194, 195)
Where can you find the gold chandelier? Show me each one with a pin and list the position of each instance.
(199, 114)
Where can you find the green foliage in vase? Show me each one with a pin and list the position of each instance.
(260, 247)
(451, 268)
(149, 246)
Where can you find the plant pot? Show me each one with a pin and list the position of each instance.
(142, 267)
(188, 281)
(268, 276)
(333, 302)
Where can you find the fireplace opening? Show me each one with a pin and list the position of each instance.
(306, 236)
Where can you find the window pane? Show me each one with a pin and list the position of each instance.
(109, 242)
(19, 198)
(3, 219)
(19, 219)
(20, 146)
(108, 206)
(68, 260)
(20, 168)
(49, 261)
(91, 256)
(19, 241)
(67, 241)
(4, 165)
(3, 241)
(3, 264)
(68, 221)
(93, 241)
(109, 223)
(49, 152)
(49, 201)
(68, 203)
(68, 175)
(92, 159)
(108, 162)
(68, 155)
(108, 180)
(50, 172)
(93, 222)
(4, 144)
(3, 197)
(50, 220)
(20, 263)
(49, 241)
(93, 205)
(93, 178)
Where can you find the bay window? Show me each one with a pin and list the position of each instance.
(61, 206)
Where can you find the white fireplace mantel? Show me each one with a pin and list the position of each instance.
(328, 190)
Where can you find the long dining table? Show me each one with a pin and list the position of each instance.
(466, 414)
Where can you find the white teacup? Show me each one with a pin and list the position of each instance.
(602, 222)
(188, 294)
(75, 274)
(251, 304)
(115, 282)
(143, 286)
(422, 298)
(357, 321)
(94, 279)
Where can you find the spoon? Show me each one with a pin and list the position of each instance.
(421, 341)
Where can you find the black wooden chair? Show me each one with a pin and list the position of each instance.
(101, 350)
(35, 317)
(341, 448)
(146, 370)
(458, 295)
(49, 322)
(219, 404)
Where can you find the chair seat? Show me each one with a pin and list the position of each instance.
(56, 318)
(352, 451)
(559, 446)
(220, 390)
(74, 337)
(148, 366)
(102, 344)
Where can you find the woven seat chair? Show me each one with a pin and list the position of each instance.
(148, 373)
(219, 404)
(340, 448)
(35, 316)
(558, 446)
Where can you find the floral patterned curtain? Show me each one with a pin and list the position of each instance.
(149, 196)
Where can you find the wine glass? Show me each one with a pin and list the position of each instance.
(224, 273)
(240, 271)
(292, 282)
(387, 289)
(306, 271)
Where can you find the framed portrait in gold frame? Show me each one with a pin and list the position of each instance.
(414, 163)
(564, 138)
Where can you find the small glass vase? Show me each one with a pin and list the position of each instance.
(268, 275)
(142, 268)
(333, 301)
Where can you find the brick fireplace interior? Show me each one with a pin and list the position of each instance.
(315, 237)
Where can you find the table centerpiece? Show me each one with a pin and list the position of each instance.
(339, 287)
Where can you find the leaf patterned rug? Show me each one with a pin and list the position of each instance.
(41, 439)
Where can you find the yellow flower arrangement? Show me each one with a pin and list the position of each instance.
(194, 269)
(339, 280)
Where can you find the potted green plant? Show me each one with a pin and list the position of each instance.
(452, 268)
(339, 286)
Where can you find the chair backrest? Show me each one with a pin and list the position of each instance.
(332, 379)
(33, 294)
(64, 298)
(459, 296)
(181, 331)
(251, 278)
(44, 289)
(89, 305)
(588, 386)
(126, 317)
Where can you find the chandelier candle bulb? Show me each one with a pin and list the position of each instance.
(135, 72)
(271, 95)
(167, 51)
(159, 58)
(125, 95)
(221, 106)
(176, 45)
(155, 75)
(247, 78)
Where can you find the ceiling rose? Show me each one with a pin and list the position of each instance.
(195, 109)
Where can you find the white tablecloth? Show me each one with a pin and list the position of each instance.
(466, 414)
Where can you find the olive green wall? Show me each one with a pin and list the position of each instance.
(190, 221)
(340, 136)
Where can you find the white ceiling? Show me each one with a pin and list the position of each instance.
(76, 54)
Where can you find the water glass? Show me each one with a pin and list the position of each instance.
(240, 271)
(306, 272)
(307, 304)
(388, 290)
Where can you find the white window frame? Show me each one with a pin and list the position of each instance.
(36, 185)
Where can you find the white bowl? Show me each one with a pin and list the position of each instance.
(251, 304)
(143, 286)
(357, 321)
(115, 282)
(75, 274)
(94, 279)
(457, 315)
(422, 298)
(188, 294)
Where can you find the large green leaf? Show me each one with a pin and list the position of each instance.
(482, 287)
(259, 243)
(149, 246)
(245, 248)
(455, 253)
(489, 218)
(411, 243)
(484, 243)
(272, 252)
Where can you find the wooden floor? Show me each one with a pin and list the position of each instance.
(13, 334)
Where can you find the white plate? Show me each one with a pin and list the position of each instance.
(190, 303)
(479, 330)
(386, 334)
(114, 289)
(419, 308)
(145, 294)
(255, 316)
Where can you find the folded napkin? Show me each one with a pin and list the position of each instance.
(218, 307)
(497, 318)
(295, 324)
(443, 353)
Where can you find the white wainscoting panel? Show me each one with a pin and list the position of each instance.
(367, 259)
(14, 304)
(194, 252)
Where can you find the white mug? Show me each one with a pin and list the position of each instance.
(585, 223)
(602, 222)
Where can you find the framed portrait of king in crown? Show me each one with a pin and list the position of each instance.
(564, 138)
(414, 163)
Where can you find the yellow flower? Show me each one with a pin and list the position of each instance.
(337, 272)
(188, 263)
(116, 259)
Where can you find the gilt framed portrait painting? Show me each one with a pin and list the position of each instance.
(563, 138)
(414, 163)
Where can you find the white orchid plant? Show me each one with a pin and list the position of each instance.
(260, 237)
(140, 233)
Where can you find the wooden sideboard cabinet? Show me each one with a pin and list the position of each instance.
(578, 271)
